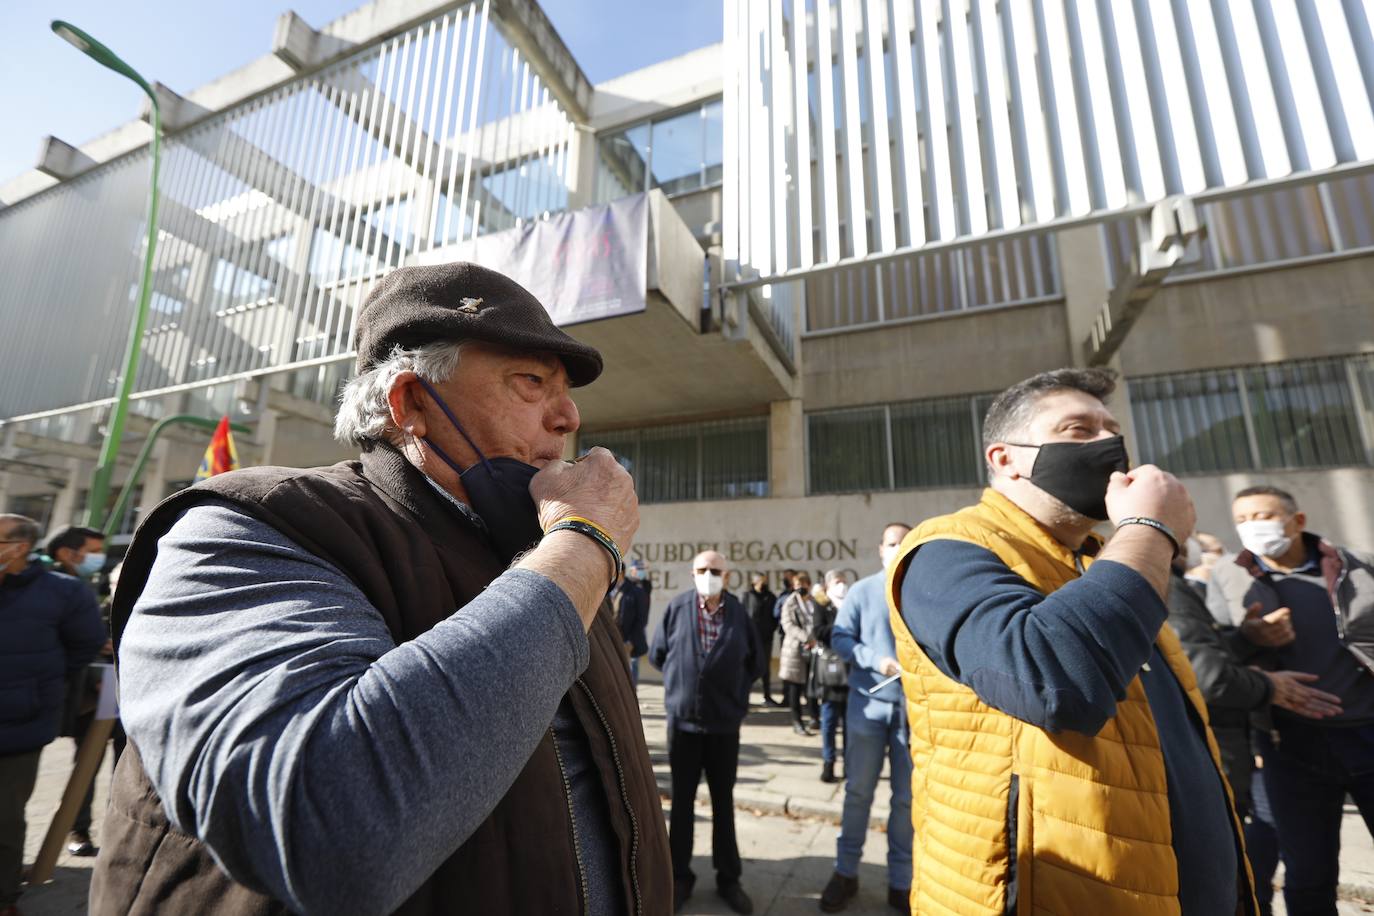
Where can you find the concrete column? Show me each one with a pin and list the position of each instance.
(581, 168)
(787, 448)
(1083, 275)
(64, 506)
(266, 433)
(154, 479)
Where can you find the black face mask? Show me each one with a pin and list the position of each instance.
(1077, 473)
(499, 490)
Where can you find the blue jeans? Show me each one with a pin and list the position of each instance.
(1307, 776)
(634, 671)
(832, 712)
(867, 742)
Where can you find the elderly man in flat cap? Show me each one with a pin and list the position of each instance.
(340, 694)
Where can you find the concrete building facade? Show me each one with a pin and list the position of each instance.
(779, 409)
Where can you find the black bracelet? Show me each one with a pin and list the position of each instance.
(1156, 525)
(591, 531)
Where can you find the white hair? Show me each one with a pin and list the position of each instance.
(364, 404)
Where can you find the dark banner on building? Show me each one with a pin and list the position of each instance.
(584, 265)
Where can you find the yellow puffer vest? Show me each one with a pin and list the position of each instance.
(1078, 825)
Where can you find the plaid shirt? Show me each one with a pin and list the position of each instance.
(709, 623)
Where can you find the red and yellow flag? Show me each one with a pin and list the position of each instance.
(221, 455)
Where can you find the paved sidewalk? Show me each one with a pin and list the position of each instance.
(786, 819)
(779, 775)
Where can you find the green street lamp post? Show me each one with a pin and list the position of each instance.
(104, 471)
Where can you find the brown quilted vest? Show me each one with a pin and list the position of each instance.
(373, 518)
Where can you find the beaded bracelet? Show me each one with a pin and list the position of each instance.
(1156, 525)
(594, 531)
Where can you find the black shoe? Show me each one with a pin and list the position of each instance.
(79, 844)
(774, 704)
(801, 729)
(736, 899)
(838, 892)
(899, 899)
(828, 772)
(816, 724)
(681, 891)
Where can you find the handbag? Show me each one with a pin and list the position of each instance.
(829, 669)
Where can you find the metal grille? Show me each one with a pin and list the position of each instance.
(991, 114)
(1265, 227)
(716, 459)
(1307, 414)
(935, 442)
(998, 272)
(277, 213)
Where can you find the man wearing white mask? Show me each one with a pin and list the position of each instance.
(708, 653)
(875, 729)
(1312, 603)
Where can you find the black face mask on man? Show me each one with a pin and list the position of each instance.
(498, 488)
(1077, 473)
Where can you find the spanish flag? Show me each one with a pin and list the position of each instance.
(221, 455)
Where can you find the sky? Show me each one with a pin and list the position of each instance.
(50, 88)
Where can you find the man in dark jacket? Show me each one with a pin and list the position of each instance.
(79, 552)
(1322, 595)
(49, 628)
(1220, 656)
(706, 649)
(343, 691)
(630, 605)
(758, 604)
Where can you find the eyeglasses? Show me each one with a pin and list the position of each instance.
(707, 569)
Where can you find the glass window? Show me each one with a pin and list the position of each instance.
(678, 146)
(1190, 423)
(734, 458)
(679, 153)
(1304, 415)
(622, 163)
(714, 155)
(1300, 415)
(719, 459)
(934, 444)
(847, 450)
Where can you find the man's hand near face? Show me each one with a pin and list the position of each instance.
(595, 487)
(1148, 492)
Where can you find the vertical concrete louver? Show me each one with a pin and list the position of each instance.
(859, 127)
(277, 212)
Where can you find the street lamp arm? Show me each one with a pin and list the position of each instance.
(102, 55)
(104, 471)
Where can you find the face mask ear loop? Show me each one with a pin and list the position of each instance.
(462, 432)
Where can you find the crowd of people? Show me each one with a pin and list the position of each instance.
(408, 682)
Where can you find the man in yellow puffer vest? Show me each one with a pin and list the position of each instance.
(1062, 763)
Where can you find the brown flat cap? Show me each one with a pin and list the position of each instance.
(413, 306)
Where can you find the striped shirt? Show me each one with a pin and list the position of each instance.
(709, 624)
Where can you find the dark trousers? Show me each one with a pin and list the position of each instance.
(18, 773)
(690, 754)
(82, 824)
(795, 694)
(764, 632)
(1307, 775)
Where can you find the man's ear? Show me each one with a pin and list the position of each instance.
(998, 457)
(407, 406)
(1300, 519)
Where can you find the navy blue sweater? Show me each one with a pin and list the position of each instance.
(49, 626)
(1063, 662)
(705, 693)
